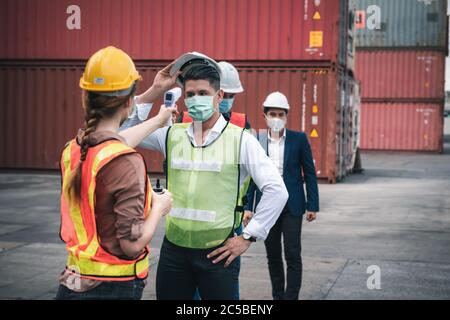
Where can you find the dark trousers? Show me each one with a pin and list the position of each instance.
(182, 270)
(291, 228)
(108, 290)
(237, 296)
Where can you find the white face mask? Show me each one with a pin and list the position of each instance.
(200, 108)
(276, 124)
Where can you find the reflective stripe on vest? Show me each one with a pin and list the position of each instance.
(236, 118)
(204, 182)
(78, 223)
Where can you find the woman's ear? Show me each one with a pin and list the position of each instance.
(129, 106)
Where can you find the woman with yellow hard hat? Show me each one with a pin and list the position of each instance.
(108, 210)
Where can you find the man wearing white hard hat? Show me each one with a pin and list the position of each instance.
(209, 164)
(291, 153)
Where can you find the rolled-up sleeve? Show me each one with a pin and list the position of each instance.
(140, 110)
(138, 115)
(154, 141)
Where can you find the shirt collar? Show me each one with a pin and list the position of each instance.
(273, 140)
(216, 129)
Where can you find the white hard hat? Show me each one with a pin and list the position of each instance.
(229, 81)
(276, 100)
(185, 61)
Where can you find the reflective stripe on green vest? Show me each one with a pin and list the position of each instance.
(204, 182)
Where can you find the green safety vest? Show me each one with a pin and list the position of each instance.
(204, 182)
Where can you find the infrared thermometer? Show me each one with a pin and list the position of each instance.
(170, 98)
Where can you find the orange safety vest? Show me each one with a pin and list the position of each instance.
(236, 118)
(86, 257)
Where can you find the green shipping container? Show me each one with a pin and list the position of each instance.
(401, 23)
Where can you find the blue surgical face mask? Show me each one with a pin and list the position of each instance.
(225, 105)
(200, 108)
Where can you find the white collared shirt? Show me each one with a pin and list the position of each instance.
(276, 150)
(212, 135)
(253, 161)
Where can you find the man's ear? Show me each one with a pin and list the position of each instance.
(220, 95)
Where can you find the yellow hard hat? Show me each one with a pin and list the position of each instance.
(109, 70)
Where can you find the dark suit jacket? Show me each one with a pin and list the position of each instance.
(297, 159)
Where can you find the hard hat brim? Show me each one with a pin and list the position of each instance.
(275, 107)
(234, 90)
(185, 58)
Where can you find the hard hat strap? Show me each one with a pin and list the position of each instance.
(118, 93)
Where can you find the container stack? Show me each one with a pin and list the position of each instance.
(303, 48)
(401, 47)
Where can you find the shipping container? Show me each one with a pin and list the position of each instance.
(320, 107)
(402, 126)
(401, 23)
(401, 74)
(324, 104)
(42, 110)
(164, 29)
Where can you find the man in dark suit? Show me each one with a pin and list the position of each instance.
(291, 152)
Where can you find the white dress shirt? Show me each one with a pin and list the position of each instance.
(276, 150)
(253, 161)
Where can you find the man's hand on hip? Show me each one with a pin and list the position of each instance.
(232, 249)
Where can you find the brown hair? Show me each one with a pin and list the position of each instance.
(96, 107)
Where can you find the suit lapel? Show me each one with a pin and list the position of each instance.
(287, 149)
(263, 141)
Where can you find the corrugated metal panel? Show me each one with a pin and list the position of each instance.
(402, 126)
(37, 105)
(404, 23)
(42, 110)
(316, 96)
(401, 74)
(164, 29)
